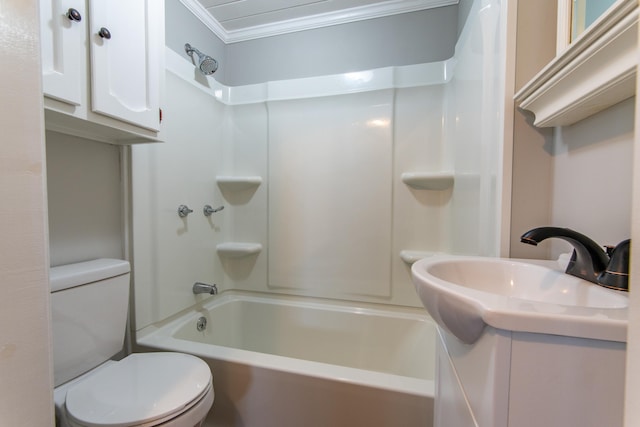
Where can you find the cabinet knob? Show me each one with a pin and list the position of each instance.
(104, 33)
(74, 15)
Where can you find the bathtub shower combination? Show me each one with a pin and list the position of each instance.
(331, 187)
(287, 361)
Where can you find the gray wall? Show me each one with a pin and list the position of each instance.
(410, 38)
(85, 199)
(181, 27)
(464, 7)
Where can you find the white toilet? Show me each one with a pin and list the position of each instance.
(89, 302)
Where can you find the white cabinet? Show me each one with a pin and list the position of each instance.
(522, 379)
(102, 68)
(63, 52)
(125, 68)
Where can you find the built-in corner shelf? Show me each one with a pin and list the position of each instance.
(238, 250)
(412, 256)
(238, 183)
(596, 71)
(428, 180)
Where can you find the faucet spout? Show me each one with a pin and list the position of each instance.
(203, 288)
(588, 259)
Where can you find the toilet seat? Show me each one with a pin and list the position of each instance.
(144, 389)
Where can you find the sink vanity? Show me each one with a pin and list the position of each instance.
(522, 344)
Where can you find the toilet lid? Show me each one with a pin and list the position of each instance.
(140, 388)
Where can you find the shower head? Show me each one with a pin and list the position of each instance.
(206, 64)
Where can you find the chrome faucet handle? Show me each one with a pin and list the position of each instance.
(183, 211)
(208, 210)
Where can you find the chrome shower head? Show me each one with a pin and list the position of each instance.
(206, 64)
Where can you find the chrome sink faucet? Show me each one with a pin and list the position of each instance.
(203, 288)
(589, 261)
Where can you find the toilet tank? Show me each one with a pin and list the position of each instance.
(89, 305)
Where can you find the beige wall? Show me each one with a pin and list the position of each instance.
(592, 175)
(583, 176)
(576, 176)
(531, 186)
(25, 353)
(632, 409)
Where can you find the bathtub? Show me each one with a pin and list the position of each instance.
(291, 362)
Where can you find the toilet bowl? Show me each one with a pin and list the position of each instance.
(143, 389)
(89, 303)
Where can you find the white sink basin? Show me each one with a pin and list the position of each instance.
(524, 281)
(464, 294)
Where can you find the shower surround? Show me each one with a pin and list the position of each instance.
(331, 186)
(311, 176)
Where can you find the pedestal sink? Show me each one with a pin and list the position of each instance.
(463, 294)
(522, 343)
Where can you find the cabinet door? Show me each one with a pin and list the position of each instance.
(451, 407)
(126, 61)
(63, 50)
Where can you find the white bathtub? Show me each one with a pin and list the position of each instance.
(281, 362)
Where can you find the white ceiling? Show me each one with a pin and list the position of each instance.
(238, 20)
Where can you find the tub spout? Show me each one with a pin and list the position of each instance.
(588, 259)
(203, 288)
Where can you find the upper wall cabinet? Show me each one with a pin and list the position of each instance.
(102, 65)
(63, 32)
(594, 71)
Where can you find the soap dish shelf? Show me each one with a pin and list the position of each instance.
(238, 250)
(238, 183)
(428, 180)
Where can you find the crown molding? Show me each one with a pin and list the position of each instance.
(393, 7)
(205, 17)
(593, 73)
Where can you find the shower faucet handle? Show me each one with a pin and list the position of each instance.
(183, 211)
(208, 210)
